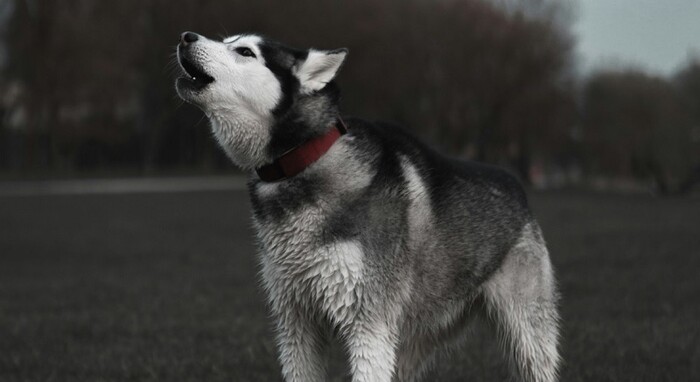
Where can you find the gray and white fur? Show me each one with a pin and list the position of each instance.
(383, 242)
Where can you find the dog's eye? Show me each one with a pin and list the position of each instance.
(245, 52)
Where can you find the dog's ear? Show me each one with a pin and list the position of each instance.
(319, 68)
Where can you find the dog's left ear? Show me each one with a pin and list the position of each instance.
(319, 68)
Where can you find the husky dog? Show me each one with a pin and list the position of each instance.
(364, 232)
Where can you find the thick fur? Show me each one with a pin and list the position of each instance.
(384, 242)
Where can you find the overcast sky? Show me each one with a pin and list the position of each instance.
(657, 35)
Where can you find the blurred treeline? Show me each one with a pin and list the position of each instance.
(88, 85)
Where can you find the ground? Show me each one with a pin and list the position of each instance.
(163, 287)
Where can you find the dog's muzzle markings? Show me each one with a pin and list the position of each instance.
(196, 78)
(364, 231)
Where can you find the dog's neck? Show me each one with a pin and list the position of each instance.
(307, 117)
(252, 140)
(298, 158)
(245, 139)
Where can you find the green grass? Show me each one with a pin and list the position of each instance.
(164, 287)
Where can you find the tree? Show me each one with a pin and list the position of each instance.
(635, 125)
(687, 80)
(476, 78)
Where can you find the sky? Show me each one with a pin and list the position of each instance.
(655, 35)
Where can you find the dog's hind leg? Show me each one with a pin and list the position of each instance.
(521, 298)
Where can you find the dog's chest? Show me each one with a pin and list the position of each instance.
(302, 271)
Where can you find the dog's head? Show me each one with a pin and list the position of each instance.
(253, 89)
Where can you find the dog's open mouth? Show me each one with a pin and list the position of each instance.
(195, 77)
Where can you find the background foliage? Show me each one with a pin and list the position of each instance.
(87, 85)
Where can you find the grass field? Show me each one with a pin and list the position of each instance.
(163, 287)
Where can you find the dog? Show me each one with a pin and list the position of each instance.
(364, 232)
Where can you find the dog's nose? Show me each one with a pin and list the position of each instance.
(188, 38)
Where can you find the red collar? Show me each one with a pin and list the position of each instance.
(299, 158)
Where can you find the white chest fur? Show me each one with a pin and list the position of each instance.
(300, 271)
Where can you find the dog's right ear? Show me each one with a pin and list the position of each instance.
(319, 68)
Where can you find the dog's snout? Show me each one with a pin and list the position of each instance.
(188, 38)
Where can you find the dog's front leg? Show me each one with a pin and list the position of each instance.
(301, 347)
(372, 347)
